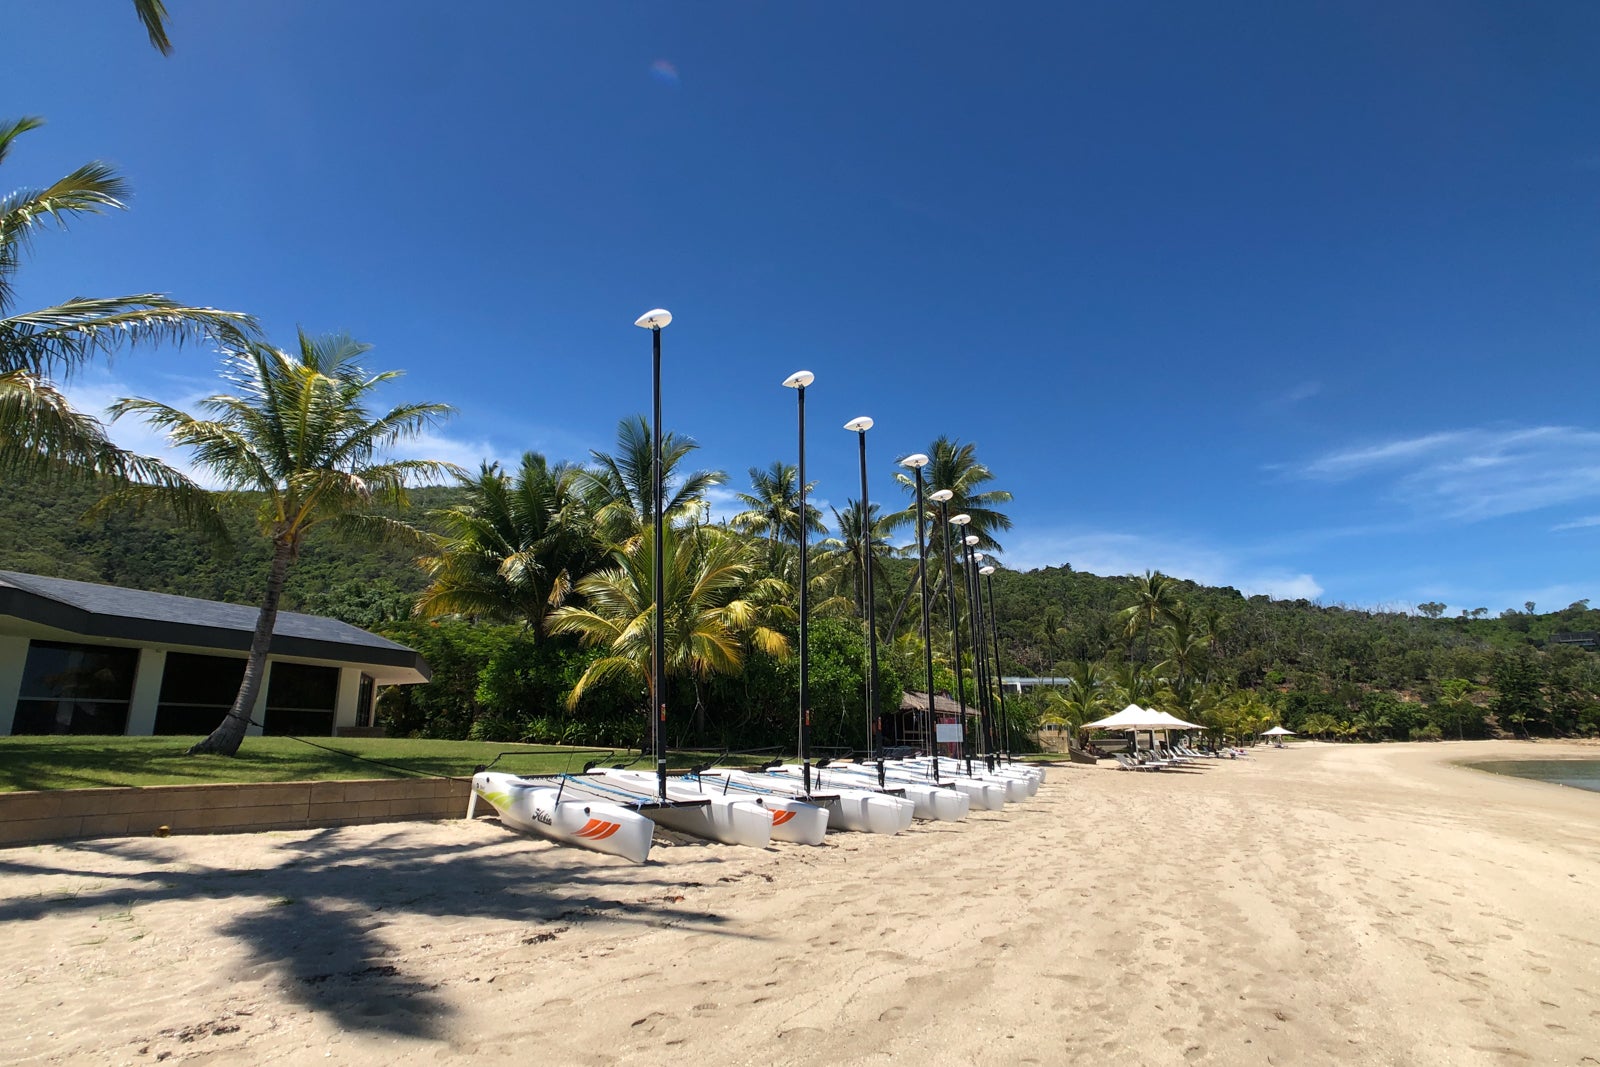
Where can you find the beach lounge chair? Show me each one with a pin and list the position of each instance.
(1128, 763)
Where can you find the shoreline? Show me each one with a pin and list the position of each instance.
(1325, 903)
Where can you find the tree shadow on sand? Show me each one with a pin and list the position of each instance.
(316, 919)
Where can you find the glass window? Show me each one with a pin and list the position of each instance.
(196, 692)
(191, 679)
(364, 701)
(75, 689)
(295, 685)
(301, 700)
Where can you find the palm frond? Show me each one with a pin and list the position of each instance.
(66, 335)
(153, 13)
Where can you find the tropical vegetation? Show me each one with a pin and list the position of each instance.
(299, 435)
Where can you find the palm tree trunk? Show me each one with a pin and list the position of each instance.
(225, 739)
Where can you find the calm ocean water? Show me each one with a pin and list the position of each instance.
(1580, 773)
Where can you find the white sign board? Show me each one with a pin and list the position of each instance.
(948, 731)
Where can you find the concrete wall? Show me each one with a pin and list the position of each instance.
(61, 814)
(344, 710)
(146, 692)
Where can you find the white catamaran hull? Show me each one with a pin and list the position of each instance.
(848, 809)
(534, 808)
(985, 796)
(1010, 790)
(732, 820)
(929, 803)
(792, 820)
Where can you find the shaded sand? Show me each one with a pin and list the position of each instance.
(1316, 904)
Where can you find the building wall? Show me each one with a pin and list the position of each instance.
(146, 695)
(13, 657)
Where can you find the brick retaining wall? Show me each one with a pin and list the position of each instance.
(61, 814)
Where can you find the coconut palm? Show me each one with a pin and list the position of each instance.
(619, 489)
(773, 508)
(856, 553)
(1132, 683)
(714, 611)
(40, 433)
(1155, 598)
(953, 466)
(1186, 647)
(513, 549)
(1087, 688)
(297, 440)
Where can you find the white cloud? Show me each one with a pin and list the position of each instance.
(723, 503)
(1296, 394)
(1113, 553)
(1477, 473)
(1578, 524)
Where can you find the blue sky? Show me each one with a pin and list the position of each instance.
(1300, 298)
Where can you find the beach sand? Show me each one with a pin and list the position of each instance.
(1320, 903)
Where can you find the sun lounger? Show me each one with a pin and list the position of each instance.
(1128, 763)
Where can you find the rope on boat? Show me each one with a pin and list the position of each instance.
(588, 782)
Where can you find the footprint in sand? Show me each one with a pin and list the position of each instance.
(894, 1014)
(650, 1022)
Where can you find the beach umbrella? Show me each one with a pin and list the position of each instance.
(1132, 718)
(1172, 722)
(1278, 733)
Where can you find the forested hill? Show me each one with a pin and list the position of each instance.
(43, 531)
(1328, 670)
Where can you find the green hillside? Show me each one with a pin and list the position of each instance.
(1332, 671)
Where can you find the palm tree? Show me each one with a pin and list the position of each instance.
(620, 491)
(953, 466)
(40, 433)
(1155, 600)
(773, 509)
(1186, 648)
(1132, 683)
(715, 606)
(298, 437)
(857, 554)
(514, 548)
(1086, 692)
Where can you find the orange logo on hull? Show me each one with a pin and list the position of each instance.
(598, 829)
(781, 817)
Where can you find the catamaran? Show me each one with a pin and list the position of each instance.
(863, 810)
(563, 809)
(1014, 786)
(930, 802)
(739, 818)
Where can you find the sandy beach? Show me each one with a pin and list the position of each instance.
(1360, 904)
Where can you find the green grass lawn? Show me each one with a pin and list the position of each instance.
(82, 761)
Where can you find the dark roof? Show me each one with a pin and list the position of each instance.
(115, 613)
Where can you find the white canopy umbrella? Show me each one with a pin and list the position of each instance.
(1278, 731)
(1172, 722)
(1132, 717)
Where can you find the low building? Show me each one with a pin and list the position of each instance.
(81, 658)
(1583, 639)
